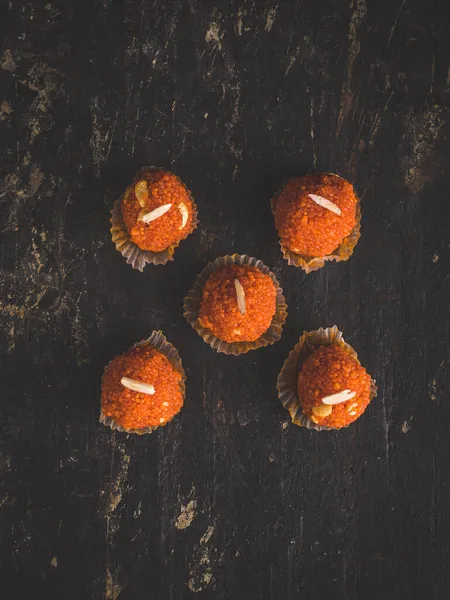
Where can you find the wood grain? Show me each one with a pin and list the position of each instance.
(229, 500)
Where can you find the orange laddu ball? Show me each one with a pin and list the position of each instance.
(305, 226)
(220, 311)
(137, 410)
(150, 190)
(327, 372)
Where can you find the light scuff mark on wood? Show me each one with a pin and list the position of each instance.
(311, 128)
(227, 79)
(239, 21)
(386, 429)
(114, 495)
(48, 83)
(5, 469)
(423, 131)
(116, 487)
(102, 135)
(187, 515)
(432, 390)
(13, 310)
(249, 414)
(200, 569)
(213, 34)
(395, 23)
(18, 192)
(38, 292)
(5, 110)
(406, 426)
(378, 118)
(113, 587)
(23, 289)
(5, 464)
(36, 179)
(359, 12)
(292, 59)
(8, 63)
(271, 15)
(207, 535)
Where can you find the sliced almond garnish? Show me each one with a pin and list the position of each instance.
(343, 396)
(313, 419)
(184, 214)
(321, 201)
(137, 386)
(155, 214)
(352, 406)
(240, 295)
(141, 191)
(353, 413)
(322, 411)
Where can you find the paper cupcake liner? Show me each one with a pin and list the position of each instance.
(342, 252)
(193, 300)
(158, 342)
(287, 379)
(136, 257)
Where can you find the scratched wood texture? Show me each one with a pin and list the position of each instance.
(230, 500)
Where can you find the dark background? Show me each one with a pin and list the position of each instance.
(230, 500)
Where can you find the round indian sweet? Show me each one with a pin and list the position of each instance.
(333, 388)
(141, 389)
(238, 303)
(314, 213)
(157, 210)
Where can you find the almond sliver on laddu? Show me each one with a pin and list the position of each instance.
(321, 201)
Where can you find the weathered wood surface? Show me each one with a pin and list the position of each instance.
(229, 500)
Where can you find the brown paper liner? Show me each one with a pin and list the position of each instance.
(287, 379)
(342, 252)
(193, 300)
(159, 342)
(136, 257)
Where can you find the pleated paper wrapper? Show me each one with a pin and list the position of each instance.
(193, 300)
(158, 342)
(314, 263)
(134, 256)
(287, 379)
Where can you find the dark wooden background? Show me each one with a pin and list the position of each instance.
(230, 500)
